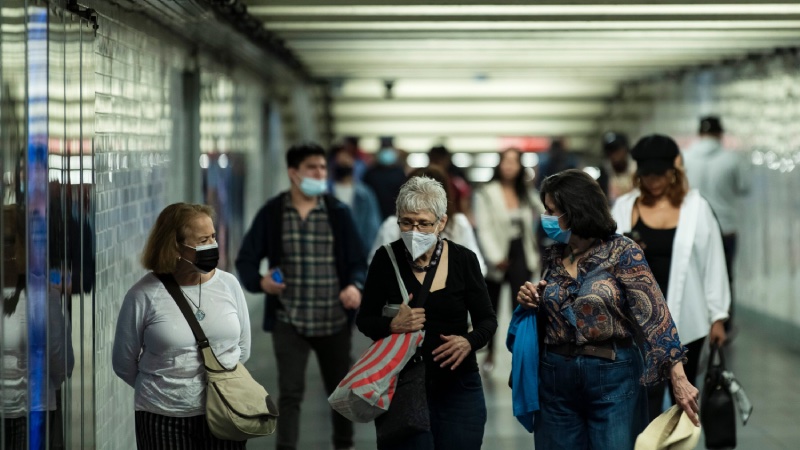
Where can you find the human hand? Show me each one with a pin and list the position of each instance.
(453, 351)
(717, 334)
(408, 319)
(269, 285)
(350, 297)
(530, 295)
(686, 395)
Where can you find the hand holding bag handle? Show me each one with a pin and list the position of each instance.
(237, 407)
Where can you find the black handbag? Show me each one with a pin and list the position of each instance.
(408, 412)
(717, 409)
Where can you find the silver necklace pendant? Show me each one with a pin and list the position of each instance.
(200, 314)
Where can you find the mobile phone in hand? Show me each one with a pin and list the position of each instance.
(277, 276)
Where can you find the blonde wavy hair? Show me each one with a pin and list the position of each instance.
(161, 251)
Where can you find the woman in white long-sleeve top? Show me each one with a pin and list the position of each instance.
(155, 351)
(506, 212)
(682, 244)
(458, 228)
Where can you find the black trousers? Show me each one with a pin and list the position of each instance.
(655, 395)
(516, 275)
(292, 351)
(157, 432)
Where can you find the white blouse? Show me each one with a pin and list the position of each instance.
(156, 353)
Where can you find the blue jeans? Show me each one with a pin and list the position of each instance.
(590, 403)
(458, 417)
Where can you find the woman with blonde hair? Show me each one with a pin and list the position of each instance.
(682, 243)
(155, 351)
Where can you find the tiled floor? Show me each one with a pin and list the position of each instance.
(768, 369)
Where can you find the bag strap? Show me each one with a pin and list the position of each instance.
(400, 282)
(426, 284)
(716, 351)
(209, 358)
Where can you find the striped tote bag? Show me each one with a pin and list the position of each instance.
(367, 390)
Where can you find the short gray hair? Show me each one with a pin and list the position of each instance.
(421, 194)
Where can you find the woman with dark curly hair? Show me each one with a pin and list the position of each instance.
(597, 298)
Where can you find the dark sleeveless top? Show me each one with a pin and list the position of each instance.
(657, 246)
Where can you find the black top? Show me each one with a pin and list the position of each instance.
(657, 246)
(445, 309)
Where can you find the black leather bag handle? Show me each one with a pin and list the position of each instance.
(716, 351)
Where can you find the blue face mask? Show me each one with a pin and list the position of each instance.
(553, 229)
(387, 156)
(313, 187)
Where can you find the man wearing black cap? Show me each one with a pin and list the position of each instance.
(616, 173)
(721, 177)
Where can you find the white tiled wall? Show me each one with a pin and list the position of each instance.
(139, 102)
(133, 126)
(757, 101)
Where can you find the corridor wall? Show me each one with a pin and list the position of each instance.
(100, 130)
(757, 99)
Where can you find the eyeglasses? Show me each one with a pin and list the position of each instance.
(407, 225)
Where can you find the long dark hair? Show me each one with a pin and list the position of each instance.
(579, 196)
(520, 186)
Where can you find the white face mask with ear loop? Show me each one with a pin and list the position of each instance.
(418, 242)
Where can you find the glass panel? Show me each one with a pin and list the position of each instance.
(80, 128)
(14, 367)
(60, 360)
(35, 186)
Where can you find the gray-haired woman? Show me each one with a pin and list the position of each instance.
(454, 389)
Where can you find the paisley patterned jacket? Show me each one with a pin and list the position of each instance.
(615, 296)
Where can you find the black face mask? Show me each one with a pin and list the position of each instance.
(342, 172)
(206, 257)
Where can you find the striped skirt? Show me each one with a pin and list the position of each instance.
(157, 432)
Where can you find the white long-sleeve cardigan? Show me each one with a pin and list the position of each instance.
(698, 293)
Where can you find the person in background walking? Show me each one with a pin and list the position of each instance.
(682, 244)
(313, 285)
(506, 209)
(721, 177)
(353, 193)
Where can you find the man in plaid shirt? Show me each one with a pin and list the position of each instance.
(310, 239)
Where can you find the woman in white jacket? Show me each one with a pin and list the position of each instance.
(683, 246)
(506, 210)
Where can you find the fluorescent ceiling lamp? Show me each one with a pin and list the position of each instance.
(462, 159)
(593, 172)
(513, 88)
(523, 10)
(397, 108)
(534, 25)
(529, 159)
(480, 174)
(490, 160)
(417, 160)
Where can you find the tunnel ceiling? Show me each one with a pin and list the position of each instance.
(563, 39)
(514, 50)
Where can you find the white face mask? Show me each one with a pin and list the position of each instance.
(418, 242)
